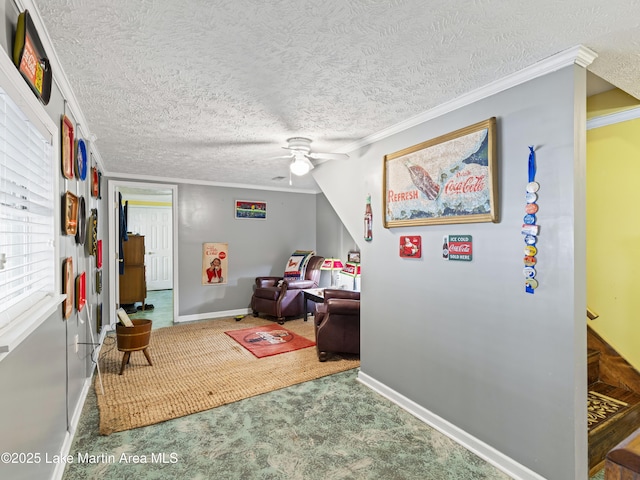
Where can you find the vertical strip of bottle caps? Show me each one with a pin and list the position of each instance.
(530, 229)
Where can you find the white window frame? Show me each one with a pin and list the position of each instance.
(27, 321)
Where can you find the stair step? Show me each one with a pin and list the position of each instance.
(593, 366)
(619, 420)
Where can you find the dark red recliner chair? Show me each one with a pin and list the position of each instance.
(281, 298)
(337, 323)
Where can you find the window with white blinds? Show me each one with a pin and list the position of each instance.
(27, 270)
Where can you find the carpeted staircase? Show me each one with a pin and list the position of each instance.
(614, 399)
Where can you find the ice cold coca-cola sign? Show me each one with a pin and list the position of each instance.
(460, 248)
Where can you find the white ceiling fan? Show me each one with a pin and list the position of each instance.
(302, 156)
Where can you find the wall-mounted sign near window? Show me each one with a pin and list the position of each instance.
(457, 248)
(30, 58)
(68, 149)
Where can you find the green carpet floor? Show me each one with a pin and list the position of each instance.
(330, 428)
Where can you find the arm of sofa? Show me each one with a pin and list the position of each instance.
(267, 281)
(299, 284)
(342, 306)
(337, 293)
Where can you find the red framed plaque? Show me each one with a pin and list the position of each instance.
(67, 285)
(99, 254)
(410, 246)
(95, 185)
(67, 147)
(81, 291)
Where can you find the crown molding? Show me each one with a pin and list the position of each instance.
(191, 181)
(578, 55)
(613, 118)
(60, 77)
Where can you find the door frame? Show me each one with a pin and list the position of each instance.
(114, 253)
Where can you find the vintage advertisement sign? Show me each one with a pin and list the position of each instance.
(411, 246)
(450, 179)
(251, 209)
(214, 263)
(458, 248)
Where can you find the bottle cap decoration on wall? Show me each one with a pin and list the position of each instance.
(530, 229)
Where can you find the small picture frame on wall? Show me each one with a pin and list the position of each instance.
(250, 209)
(215, 263)
(410, 246)
(81, 292)
(68, 287)
(353, 257)
(95, 182)
(70, 212)
(68, 148)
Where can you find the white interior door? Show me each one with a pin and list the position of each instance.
(155, 224)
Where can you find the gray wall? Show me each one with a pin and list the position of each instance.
(462, 339)
(333, 239)
(256, 247)
(42, 380)
(33, 414)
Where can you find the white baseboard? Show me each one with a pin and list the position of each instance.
(207, 316)
(68, 438)
(478, 447)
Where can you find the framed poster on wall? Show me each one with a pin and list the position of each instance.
(215, 263)
(449, 179)
(253, 209)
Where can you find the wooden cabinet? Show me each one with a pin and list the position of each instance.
(133, 284)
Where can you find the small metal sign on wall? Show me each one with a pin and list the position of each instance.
(457, 248)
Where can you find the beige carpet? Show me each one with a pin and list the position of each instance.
(196, 367)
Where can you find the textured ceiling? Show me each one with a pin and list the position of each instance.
(210, 90)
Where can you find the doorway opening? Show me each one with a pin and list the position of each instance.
(144, 277)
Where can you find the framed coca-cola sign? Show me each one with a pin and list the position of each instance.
(449, 179)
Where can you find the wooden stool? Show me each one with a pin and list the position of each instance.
(132, 339)
(623, 461)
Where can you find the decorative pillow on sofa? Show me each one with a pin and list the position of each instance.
(297, 264)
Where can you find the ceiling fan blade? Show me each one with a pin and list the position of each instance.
(280, 157)
(328, 156)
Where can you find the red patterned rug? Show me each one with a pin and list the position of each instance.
(269, 340)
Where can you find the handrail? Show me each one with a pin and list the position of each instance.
(591, 315)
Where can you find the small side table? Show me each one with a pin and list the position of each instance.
(316, 295)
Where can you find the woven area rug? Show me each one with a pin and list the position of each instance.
(269, 340)
(196, 367)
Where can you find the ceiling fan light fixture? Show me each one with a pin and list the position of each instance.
(299, 167)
